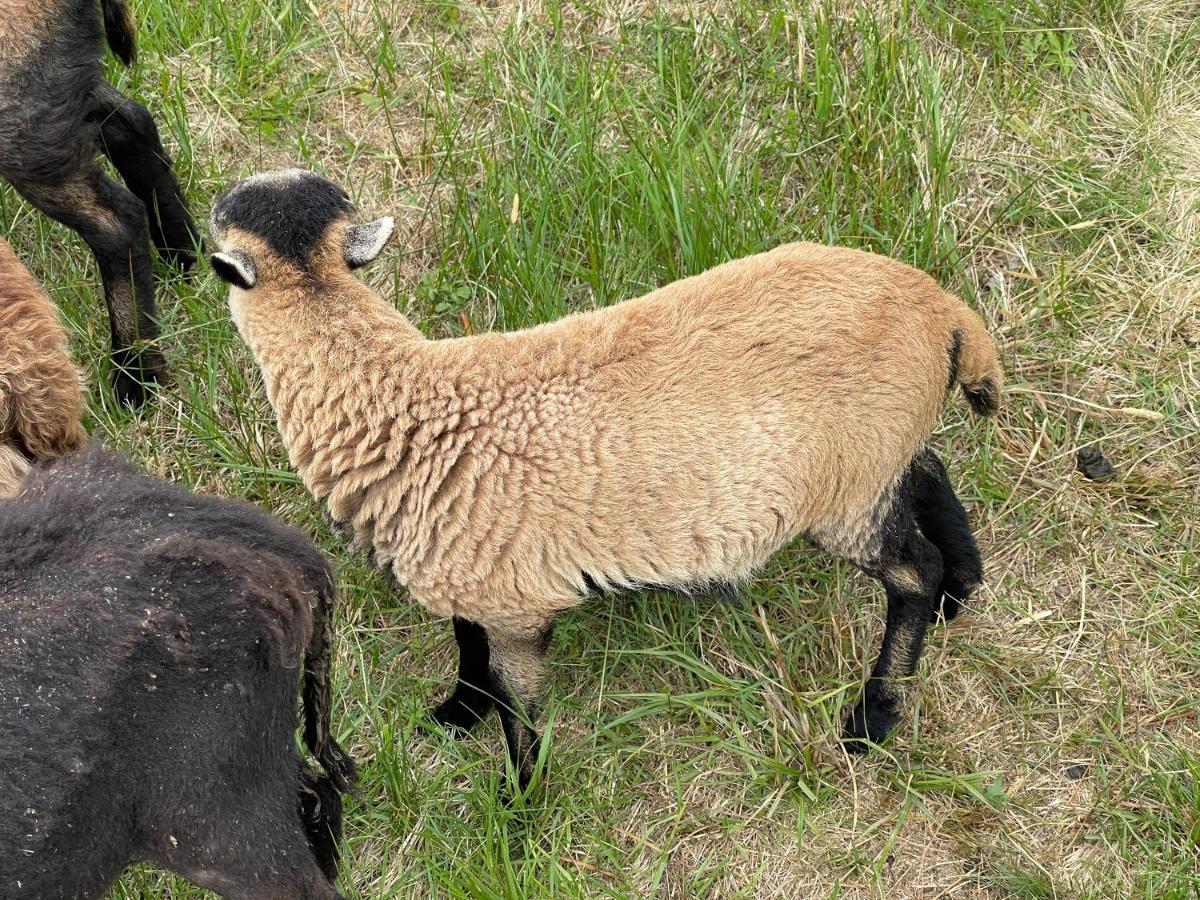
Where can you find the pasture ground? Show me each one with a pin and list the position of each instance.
(1040, 158)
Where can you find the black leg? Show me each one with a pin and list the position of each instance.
(129, 138)
(112, 222)
(943, 520)
(911, 574)
(472, 698)
(518, 676)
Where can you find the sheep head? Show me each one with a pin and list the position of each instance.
(281, 227)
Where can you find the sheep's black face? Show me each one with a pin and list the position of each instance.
(289, 210)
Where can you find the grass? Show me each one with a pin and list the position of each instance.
(1042, 159)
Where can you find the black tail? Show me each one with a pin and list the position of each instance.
(321, 793)
(317, 699)
(321, 813)
(974, 365)
(118, 29)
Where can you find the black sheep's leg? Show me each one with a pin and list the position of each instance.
(112, 221)
(129, 138)
(911, 572)
(943, 520)
(472, 698)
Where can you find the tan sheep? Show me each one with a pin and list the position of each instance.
(40, 398)
(675, 440)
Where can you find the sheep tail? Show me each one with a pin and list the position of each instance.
(321, 813)
(321, 792)
(118, 29)
(974, 364)
(317, 699)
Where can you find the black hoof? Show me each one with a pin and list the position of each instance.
(949, 609)
(179, 241)
(511, 791)
(868, 725)
(129, 391)
(457, 716)
(184, 260)
(134, 378)
(954, 593)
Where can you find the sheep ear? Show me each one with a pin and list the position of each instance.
(235, 267)
(363, 243)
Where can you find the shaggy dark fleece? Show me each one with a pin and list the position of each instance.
(150, 644)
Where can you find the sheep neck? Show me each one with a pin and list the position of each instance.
(321, 352)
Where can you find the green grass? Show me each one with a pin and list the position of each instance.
(1041, 159)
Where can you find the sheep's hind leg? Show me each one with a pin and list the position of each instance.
(130, 139)
(943, 520)
(472, 698)
(258, 850)
(911, 572)
(518, 676)
(112, 221)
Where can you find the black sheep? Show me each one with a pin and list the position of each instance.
(56, 115)
(149, 663)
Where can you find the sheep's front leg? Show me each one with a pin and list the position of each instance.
(518, 675)
(911, 575)
(472, 698)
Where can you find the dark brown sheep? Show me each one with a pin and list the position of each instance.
(150, 644)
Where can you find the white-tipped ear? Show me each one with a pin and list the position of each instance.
(363, 243)
(235, 267)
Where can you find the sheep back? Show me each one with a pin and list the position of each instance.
(677, 439)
